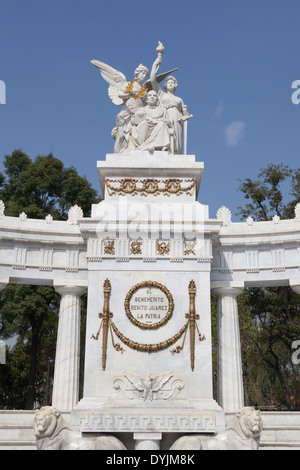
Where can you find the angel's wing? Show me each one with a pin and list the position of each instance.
(114, 78)
(160, 380)
(136, 381)
(159, 78)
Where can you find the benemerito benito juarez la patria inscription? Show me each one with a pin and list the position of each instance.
(149, 305)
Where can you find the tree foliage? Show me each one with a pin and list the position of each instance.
(29, 314)
(269, 316)
(267, 194)
(43, 186)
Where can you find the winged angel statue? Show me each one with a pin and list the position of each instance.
(145, 121)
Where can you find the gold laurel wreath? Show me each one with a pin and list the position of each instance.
(139, 94)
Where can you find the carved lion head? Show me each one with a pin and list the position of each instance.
(46, 421)
(248, 421)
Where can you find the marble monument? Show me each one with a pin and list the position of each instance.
(149, 258)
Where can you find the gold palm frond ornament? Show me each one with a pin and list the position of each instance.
(192, 317)
(105, 325)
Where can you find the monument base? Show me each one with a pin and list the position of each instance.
(148, 359)
(150, 421)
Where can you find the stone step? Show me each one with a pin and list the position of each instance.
(14, 432)
(17, 445)
(275, 445)
(281, 434)
(18, 417)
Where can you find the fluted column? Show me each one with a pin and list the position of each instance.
(147, 441)
(230, 376)
(66, 372)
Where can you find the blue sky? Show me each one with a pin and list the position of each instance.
(236, 63)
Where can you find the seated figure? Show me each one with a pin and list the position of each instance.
(151, 129)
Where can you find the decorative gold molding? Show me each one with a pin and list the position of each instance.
(163, 248)
(109, 247)
(149, 348)
(189, 248)
(150, 186)
(136, 248)
(105, 324)
(150, 284)
(192, 316)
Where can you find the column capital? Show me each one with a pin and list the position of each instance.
(295, 285)
(227, 288)
(72, 288)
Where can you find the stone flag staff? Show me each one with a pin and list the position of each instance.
(134, 125)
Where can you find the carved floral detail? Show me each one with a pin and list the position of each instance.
(23, 217)
(224, 215)
(49, 219)
(75, 213)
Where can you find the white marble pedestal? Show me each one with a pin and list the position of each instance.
(148, 359)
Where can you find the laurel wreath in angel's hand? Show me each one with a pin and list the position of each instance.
(118, 83)
(136, 94)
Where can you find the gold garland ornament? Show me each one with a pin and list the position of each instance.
(150, 187)
(107, 324)
(137, 94)
(145, 284)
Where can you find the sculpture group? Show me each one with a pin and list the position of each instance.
(151, 118)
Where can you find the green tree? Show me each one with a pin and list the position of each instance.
(267, 194)
(43, 186)
(273, 312)
(38, 187)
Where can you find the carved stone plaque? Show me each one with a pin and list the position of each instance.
(149, 305)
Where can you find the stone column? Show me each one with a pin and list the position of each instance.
(147, 440)
(230, 376)
(66, 372)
